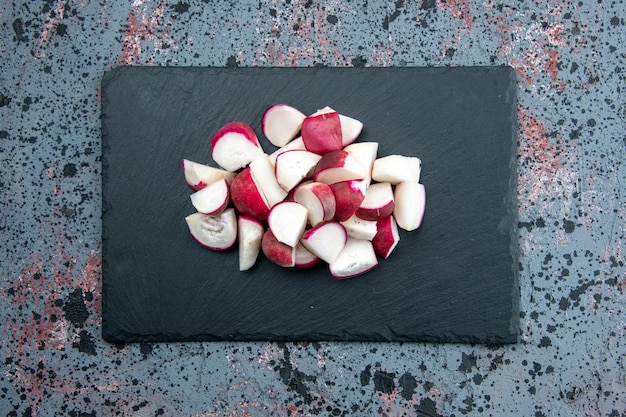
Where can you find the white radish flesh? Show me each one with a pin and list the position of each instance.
(234, 146)
(281, 123)
(356, 258)
(304, 258)
(263, 173)
(378, 202)
(338, 166)
(292, 167)
(199, 175)
(396, 169)
(212, 199)
(360, 229)
(325, 241)
(217, 232)
(318, 199)
(295, 145)
(410, 204)
(250, 234)
(287, 221)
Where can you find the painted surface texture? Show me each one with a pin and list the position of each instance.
(570, 59)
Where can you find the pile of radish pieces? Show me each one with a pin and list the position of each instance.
(320, 196)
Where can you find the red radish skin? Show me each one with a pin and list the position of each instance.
(234, 146)
(215, 232)
(338, 166)
(387, 237)
(356, 258)
(318, 199)
(246, 196)
(277, 252)
(321, 133)
(281, 123)
(378, 202)
(212, 199)
(199, 175)
(348, 197)
(250, 234)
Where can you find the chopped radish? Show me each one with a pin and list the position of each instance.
(281, 123)
(338, 166)
(353, 200)
(263, 173)
(350, 128)
(293, 166)
(348, 197)
(321, 133)
(295, 145)
(396, 169)
(250, 235)
(365, 155)
(378, 202)
(356, 258)
(360, 229)
(304, 258)
(217, 232)
(247, 197)
(212, 199)
(234, 146)
(318, 199)
(387, 236)
(325, 240)
(410, 204)
(199, 176)
(287, 221)
(276, 251)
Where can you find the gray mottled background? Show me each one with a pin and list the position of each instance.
(571, 359)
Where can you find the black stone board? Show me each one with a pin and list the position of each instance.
(454, 280)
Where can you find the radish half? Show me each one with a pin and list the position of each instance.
(410, 204)
(250, 234)
(234, 146)
(199, 176)
(281, 123)
(212, 199)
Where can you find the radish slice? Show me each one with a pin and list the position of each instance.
(287, 221)
(387, 237)
(250, 236)
(294, 145)
(263, 173)
(365, 155)
(217, 232)
(360, 229)
(234, 146)
(356, 258)
(348, 197)
(325, 241)
(338, 166)
(199, 176)
(318, 199)
(293, 166)
(410, 204)
(212, 199)
(378, 202)
(321, 133)
(247, 196)
(396, 169)
(281, 123)
(350, 129)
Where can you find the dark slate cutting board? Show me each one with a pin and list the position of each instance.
(454, 280)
